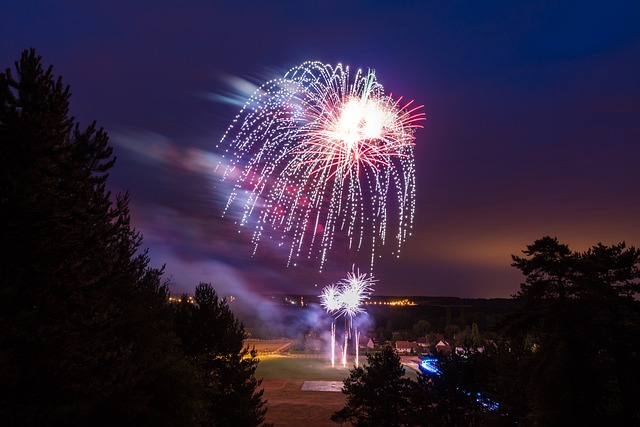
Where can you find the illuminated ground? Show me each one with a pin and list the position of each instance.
(264, 347)
(289, 405)
(335, 386)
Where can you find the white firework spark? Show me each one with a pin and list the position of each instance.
(346, 297)
(330, 298)
(317, 153)
(355, 289)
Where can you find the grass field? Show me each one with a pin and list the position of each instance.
(288, 405)
(300, 368)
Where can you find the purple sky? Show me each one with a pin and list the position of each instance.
(533, 122)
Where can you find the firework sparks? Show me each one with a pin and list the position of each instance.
(316, 153)
(330, 298)
(354, 290)
(345, 299)
(330, 301)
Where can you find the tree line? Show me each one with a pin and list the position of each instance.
(568, 355)
(87, 333)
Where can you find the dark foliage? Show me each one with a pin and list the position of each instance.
(212, 338)
(462, 394)
(574, 347)
(378, 393)
(85, 331)
(569, 354)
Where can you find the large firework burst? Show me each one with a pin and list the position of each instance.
(318, 152)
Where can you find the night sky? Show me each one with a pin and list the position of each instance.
(533, 122)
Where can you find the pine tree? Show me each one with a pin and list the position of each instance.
(578, 332)
(85, 332)
(378, 393)
(213, 339)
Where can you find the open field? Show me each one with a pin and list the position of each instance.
(301, 368)
(289, 405)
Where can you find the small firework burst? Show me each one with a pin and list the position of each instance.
(345, 299)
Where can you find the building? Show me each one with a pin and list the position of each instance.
(406, 347)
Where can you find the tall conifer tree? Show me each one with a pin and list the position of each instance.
(85, 336)
(213, 339)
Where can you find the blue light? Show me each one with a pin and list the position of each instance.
(428, 365)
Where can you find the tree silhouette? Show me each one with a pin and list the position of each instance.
(212, 337)
(378, 393)
(85, 333)
(578, 333)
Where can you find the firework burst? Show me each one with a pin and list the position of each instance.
(354, 290)
(330, 298)
(345, 299)
(318, 153)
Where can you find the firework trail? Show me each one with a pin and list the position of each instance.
(318, 152)
(330, 301)
(345, 299)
